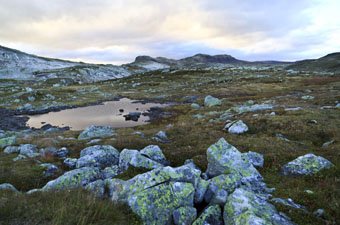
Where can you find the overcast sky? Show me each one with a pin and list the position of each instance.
(116, 31)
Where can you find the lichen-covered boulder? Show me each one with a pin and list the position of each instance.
(98, 156)
(97, 188)
(211, 215)
(223, 158)
(155, 153)
(288, 202)
(70, 162)
(236, 127)
(96, 132)
(8, 187)
(211, 101)
(136, 159)
(200, 190)
(184, 215)
(29, 150)
(308, 164)
(110, 172)
(11, 149)
(156, 204)
(256, 159)
(246, 207)
(51, 151)
(74, 179)
(7, 141)
(195, 106)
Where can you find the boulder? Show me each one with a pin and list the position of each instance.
(211, 101)
(8, 187)
(236, 127)
(156, 204)
(252, 108)
(73, 179)
(110, 172)
(97, 188)
(184, 215)
(98, 156)
(96, 132)
(29, 150)
(256, 159)
(288, 202)
(70, 162)
(155, 153)
(246, 207)
(161, 137)
(7, 141)
(211, 215)
(136, 159)
(308, 164)
(134, 116)
(50, 169)
(11, 149)
(223, 158)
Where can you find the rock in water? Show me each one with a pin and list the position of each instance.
(211, 101)
(246, 207)
(134, 116)
(236, 127)
(98, 156)
(73, 179)
(308, 164)
(156, 205)
(96, 132)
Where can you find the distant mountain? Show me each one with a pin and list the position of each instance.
(205, 59)
(328, 63)
(15, 64)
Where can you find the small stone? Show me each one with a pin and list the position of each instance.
(11, 149)
(4, 142)
(19, 157)
(328, 143)
(210, 101)
(307, 97)
(319, 213)
(195, 106)
(8, 187)
(70, 162)
(236, 127)
(50, 169)
(161, 137)
(110, 172)
(254, 158)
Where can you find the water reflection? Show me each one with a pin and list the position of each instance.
(109, 113)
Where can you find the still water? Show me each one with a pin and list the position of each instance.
(109, 113)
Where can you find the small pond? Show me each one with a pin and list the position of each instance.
(109, 113)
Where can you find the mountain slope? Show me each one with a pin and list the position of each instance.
(328, 63)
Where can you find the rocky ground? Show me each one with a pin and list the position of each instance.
(242, 145)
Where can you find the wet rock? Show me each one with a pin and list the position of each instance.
(29, 150)
(134, 116)
(7, 141)
(308, 164)
(155, 153)
(246, 207)
(110, 172)
(236, 127)
(288, 202)
(184, 215)
(8, 187)
(50, 169)
(211, 215)
(195, 106)
(74, 179)
(256, 159)
(96, 132)
(11, 149)
(70, 162)
(98, 156)
(211, 101)
(97, 188)
(156, 205)
(161, 137)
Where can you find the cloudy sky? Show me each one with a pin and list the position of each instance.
(116, 31)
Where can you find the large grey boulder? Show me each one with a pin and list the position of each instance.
(246, 207)
(98, 156)
(74, 179)
(236, 127)
(96, 132)
(162, 137)
(156, 205)
(184, 215)
(8, 187)
(110, 172)
(211, 215)
(29, 150)
(155, 153)
(308, 164)
(211, 101)
(223, 158)
(11, 149)
(256, 159)
(136, 159)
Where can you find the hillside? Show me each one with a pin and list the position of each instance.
(328, 63)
